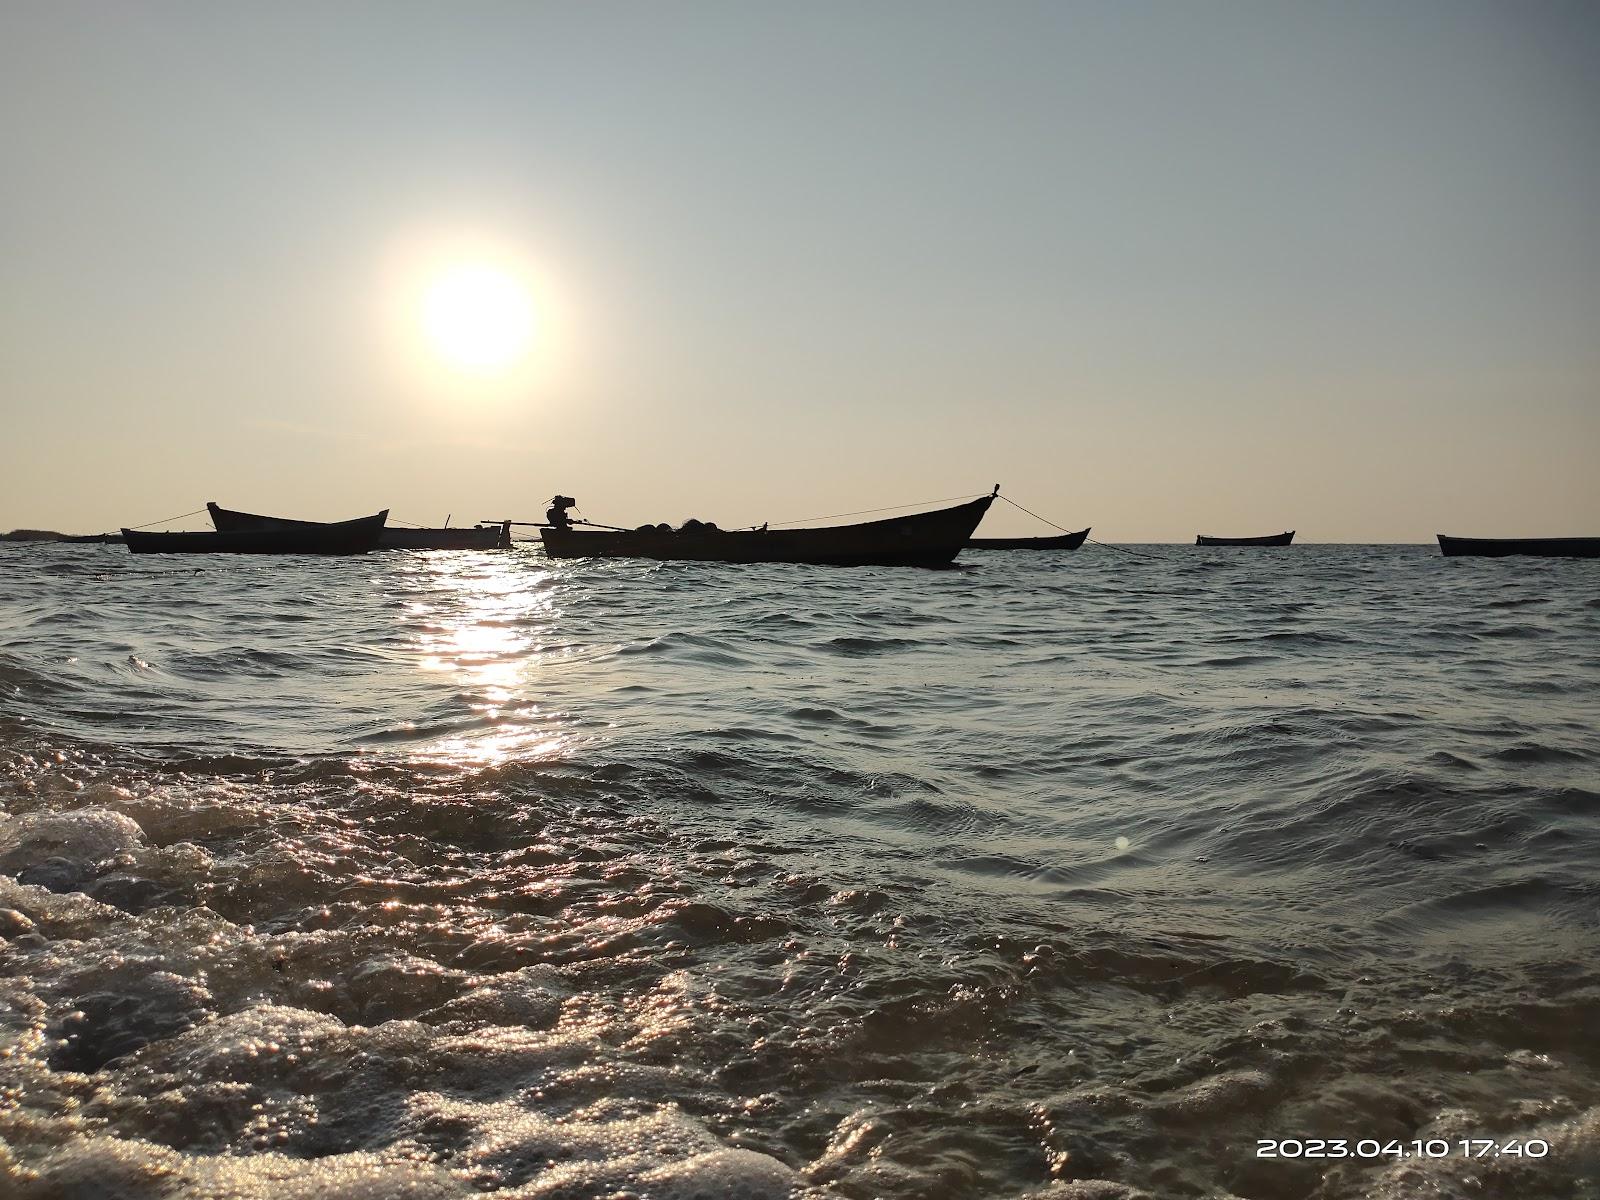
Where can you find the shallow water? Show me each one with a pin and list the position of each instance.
(1067, 876)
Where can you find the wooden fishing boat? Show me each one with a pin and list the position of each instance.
(482, 537)
(1065, 541)
(340, 537)
(1271, 539)
(1576, 547)
(930, 539)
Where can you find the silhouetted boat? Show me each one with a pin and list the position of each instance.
(1271, 539)
(1460, 547)
(930, 539)
(1065, 541)
(340, 537)
(490, 537)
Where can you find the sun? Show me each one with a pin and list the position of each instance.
(478, 318)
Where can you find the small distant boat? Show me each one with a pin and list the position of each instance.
(482, 537)
(1065, 541)
(340, 537)
(930, 539)
(1271, 539)
(1460, 547)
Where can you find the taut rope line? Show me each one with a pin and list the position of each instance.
(179, 517)
(1053, 525)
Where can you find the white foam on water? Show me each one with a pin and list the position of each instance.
(85, 837)
(303, 1074)
(106, 1168)
(530, 997)
(1573, 1143)
(663, 1154)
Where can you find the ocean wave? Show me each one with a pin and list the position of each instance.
(512, 877)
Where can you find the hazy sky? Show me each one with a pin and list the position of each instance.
(1157, 267)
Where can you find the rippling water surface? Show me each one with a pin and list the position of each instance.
(1051, 876)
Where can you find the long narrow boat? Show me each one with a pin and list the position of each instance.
(340, 537)
(1460, 547)
(930, 539)
(483, 537)
(1065, 541)
(1271, 539)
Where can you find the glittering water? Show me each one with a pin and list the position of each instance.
(1074, 876)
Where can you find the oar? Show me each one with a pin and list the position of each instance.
(548, 525)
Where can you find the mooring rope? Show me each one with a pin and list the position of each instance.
(1036, 516)
(1123, 549)
(1053, 525)
(179, 517)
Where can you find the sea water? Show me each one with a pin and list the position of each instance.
(1166, 872)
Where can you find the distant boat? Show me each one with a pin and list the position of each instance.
(1460, 547)
(1271, 539)
(930, 539)
(483, 537)
(341, 537)
(1065, 541)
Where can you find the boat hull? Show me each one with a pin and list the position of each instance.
(1065, 541)
(490, 537)
(341, 537)
(931, 539)
(483, 537)
(1460, 547)
(1271, 539)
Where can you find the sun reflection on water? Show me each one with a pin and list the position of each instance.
(482, 618)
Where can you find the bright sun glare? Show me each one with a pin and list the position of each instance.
(478, 318)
